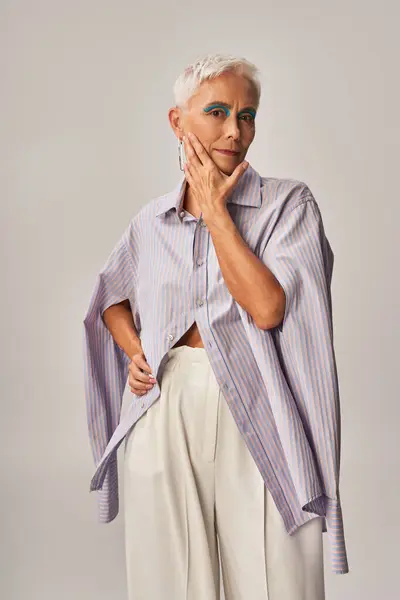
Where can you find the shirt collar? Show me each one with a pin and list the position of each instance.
(247, 192)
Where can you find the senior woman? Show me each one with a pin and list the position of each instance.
(215, 304)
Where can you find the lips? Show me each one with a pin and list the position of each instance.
(228, 152)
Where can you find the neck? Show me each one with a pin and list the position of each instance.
(189, 202)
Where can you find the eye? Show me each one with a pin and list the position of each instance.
(216, 110)
(250, 118)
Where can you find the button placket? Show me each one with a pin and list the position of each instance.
(199, 259)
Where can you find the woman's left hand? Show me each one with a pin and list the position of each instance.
(210, 186)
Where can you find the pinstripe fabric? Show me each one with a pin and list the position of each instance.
(281, 384)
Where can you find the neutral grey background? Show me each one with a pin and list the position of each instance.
(85, 142)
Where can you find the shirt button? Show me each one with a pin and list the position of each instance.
(199, 263)
(182, 213)
(170, 336)
(203, 224)
(225, 386)
(200, 302)
(210, 344)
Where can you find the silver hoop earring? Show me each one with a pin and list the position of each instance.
(181, 155)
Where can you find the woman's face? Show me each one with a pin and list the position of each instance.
(222, 116)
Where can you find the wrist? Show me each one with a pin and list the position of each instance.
(135, 347)
(218, 220)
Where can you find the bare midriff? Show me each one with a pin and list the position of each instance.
(191, 338)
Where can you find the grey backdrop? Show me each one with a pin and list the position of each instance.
(85, 142)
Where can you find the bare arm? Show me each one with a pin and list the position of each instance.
(248, 279)
(119, 321)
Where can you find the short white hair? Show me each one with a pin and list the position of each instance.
(209, 67)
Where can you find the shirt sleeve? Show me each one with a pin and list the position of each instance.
(106, 365)
(300, 257)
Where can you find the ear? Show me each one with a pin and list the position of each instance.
(176, 121)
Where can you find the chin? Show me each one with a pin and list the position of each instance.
(228, 169)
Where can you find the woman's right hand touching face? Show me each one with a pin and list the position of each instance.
(140, 382)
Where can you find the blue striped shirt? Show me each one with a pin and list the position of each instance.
(281, 384)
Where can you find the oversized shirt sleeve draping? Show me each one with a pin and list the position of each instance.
(106, 365)
(300, 256)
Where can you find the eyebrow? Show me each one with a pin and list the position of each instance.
(229, 105)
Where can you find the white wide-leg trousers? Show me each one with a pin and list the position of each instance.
(193, 495)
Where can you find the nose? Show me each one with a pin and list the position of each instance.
(232, 128)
